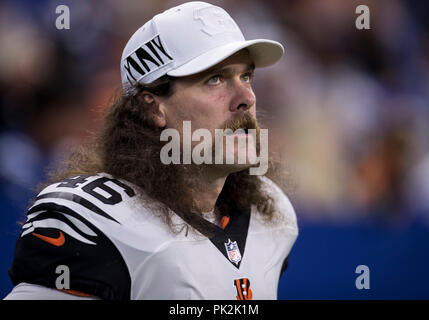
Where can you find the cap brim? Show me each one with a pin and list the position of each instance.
(263, 53)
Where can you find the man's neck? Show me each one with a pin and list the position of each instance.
(211, 183)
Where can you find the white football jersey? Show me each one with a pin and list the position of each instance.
(114, 247)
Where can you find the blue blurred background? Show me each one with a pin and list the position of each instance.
(347, 110)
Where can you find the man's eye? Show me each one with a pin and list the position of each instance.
(247, 77)
(214, 80)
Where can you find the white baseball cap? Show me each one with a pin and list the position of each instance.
(188, 39)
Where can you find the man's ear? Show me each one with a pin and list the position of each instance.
(159, 116)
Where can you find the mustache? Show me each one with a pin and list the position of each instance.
(245, 121)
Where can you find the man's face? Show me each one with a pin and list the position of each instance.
(213, 98)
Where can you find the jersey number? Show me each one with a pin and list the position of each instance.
(109, 196)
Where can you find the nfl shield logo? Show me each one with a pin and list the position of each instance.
(234, 254)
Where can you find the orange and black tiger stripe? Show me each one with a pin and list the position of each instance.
(243, 289)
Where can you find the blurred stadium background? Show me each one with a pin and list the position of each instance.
(349, 111)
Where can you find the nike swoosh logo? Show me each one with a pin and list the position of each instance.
(58, 242)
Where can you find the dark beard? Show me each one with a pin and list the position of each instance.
(175, 185)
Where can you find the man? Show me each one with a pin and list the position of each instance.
(123, 224)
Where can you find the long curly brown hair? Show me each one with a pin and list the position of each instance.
(128, 146)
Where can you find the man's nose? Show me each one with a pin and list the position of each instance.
(243, 97)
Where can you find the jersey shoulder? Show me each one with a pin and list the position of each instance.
(283, 205)
(95, 196)
(63, 243)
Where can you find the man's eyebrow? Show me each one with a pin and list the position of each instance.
(228, 69)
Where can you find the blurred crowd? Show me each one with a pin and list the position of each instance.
(349, 108)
